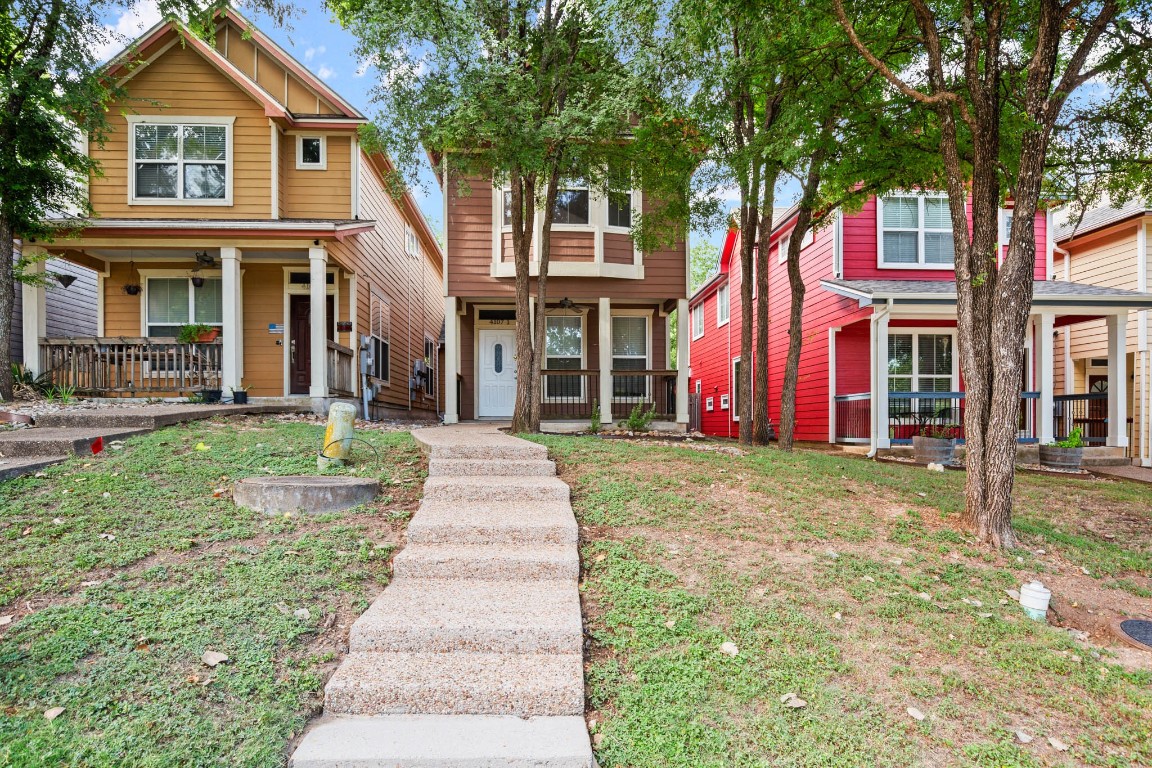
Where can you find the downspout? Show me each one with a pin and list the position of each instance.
(729, 359)
(873, 438)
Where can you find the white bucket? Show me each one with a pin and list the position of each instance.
(1034, 598)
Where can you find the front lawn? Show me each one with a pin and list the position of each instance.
(846, 583)
(120, 571)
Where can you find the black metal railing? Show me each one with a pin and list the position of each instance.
(854, 417)
(567, 395)
(1087, 411)
(933, 414)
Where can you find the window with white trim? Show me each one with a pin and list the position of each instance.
(808, 239)
(916, 230)
(735, 388)
(782, 248)
(571, 203)
(630, 353)
(723, 306)
(1006, 226)
(564, 351)
(180, 161)
(698, 321)
(172, 302)
(429, 366)
(620, 197)
(411, 242)
(709, 404)
(723, 402)
(311, 153)
(380, 339)
(920, 362)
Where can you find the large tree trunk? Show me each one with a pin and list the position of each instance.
(542, 295)
(749, 223)
(7, 307)
(795, 330)
(523, 221)
(760, 357)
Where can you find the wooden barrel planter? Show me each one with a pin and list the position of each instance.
(934, 450)
(1061, 458)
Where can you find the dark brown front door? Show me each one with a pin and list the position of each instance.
(1096, 425)
(300, 347)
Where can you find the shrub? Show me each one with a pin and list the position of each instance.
(640, 420)
(594, 425)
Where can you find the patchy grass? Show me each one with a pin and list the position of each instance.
(121, 570)
(849, 584)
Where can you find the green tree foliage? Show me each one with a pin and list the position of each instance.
(704, 263)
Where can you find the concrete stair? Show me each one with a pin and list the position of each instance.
(151, 417)
(57, 441)
(445, 741)
(521, 684)
(479, 629)
(12, 468)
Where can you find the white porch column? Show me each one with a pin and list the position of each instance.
(451, 360)
(880, 383)
(683, 359)
(604, 324)
(232, 339)
(832, 384)
(34, 309)
(318, 276)
(1118, 379)
(1046, 376)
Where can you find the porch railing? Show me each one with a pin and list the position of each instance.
(340, 359)
(570, 395)
(854, 417)
(1088, 411)
(120, 365)
(920, 413)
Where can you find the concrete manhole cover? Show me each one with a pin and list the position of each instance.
(1135, 632)
(303, 493)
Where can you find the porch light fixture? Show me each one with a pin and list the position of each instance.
(205, 259)
(64, 279)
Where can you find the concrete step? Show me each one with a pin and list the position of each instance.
(501, 523)
(458, 683)
(12, 468)
(445, 741)
(441, 615)
(1106, 461)
(155, 416)
(56, 441)
(1103, 451)
(468, 490)
(487, 562)
(476, 443)
(439, 467)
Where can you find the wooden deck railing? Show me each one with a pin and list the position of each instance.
(340, 369)
(119, 365)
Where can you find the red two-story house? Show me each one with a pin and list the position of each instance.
(878, 363)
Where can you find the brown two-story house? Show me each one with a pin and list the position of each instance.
(609, 309)
(234, 196)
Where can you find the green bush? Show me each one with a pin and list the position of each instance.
(639, 420)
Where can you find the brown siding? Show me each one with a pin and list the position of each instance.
(317, 194)
(183, 83)
(618, 248)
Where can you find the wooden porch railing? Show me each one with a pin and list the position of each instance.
(121, 365)
(340, 369)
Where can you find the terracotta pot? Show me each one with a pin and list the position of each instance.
(208, 336)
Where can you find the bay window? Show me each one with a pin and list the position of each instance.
(630, 353)
(564, 351)
(571, 203)
(172, 302)
(915, 231)
(180, 161)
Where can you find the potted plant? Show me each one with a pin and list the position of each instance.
(936, 443)
(240, 394)
(132, 287)
(1064, 454)
(197, 332)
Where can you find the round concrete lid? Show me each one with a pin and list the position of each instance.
(308, 480)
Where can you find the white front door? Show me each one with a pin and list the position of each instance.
(497, 386)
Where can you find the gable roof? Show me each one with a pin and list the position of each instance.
(1104, 216)
(1044, 293)
(155, 42)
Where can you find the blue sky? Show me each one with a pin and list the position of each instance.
(328, 50)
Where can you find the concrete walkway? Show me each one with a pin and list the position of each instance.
(473, 655)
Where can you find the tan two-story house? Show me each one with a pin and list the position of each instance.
(609, 309)
(1109, 246)
(234, 196)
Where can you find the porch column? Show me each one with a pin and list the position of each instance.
(604, 316)
(1118, 379)
(880, 383)
(1046, 370)
(683, 359)
(35, 317)
(232, 339)
(318, 276)
(451, 360)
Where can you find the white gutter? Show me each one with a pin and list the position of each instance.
(221, 224)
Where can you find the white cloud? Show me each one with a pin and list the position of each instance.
(312, 53)
(365, 65)
(325, 72)
(133, 22)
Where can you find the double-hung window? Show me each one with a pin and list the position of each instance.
(723, 306)
(380, 340)
(564, 351)
(916, 231)
(920, 362)
(630, 353)
(429, 366)
(181, 161)
(172, 302)
(698, 321)
(620, 197)
(571, 203)
(782, 249)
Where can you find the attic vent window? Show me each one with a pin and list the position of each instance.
(311, 153)
(305, 278)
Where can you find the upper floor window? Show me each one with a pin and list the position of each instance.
(311, 153)
(782, 248)
(620, 198)
(1006, 217)
(916, 230)
(698, 321)
(411, 242)
(722, 306)
(181, 161)
(172, 302)
(571, 203)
